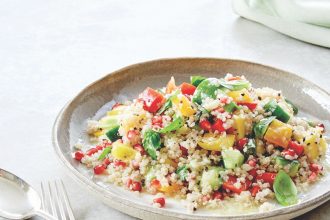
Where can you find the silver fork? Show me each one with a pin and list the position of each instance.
(55, 200)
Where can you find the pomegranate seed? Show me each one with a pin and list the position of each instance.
(78, 155)
(99, 147)
(160, 201)
(99, 169)
(230, 130)
(321, 125)
(253, 173)
(218, 126)
(136, 186)
(118, 163)
(184, 151)
(139, 148)
(241, 143)
(217, 195)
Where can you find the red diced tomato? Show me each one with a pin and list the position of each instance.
(241, 143)
(129, 183)
(255, 189)
(106, 162)
(267, 177)
(231, 187)
(187, 89)
(139, 148)
(205, 125)
(246, 185)
(92, 151)
(253, 172)
(118, 163)
(288, 152)
(160, 201)
(250, 105)
(155, 183)
(78, 155)
(315, 167)
(99, 169)
(152, 100)
(157, 120)
(218, 126)
(230, 130)
(298, 148)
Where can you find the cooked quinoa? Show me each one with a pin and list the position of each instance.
(209, 142)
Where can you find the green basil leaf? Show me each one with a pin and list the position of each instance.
(231, 107)
(105, 152)
(235, 84)
(285, 189)
(207, 88)
(168, 103)
(261, 127)
(112, 133)
(151, 143)
(174, 125)
(182, 172)
(196, 80)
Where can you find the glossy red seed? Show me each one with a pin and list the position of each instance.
(321, 125)
(78, 155)
(315, 167)
(155, 183)
(252, 162)
(136, 186)
(255, 189)
(106, 161)
(218, 126)
(134, 137)
(297, 148)
(118, 163)
(205, 125)
(184, 151)
(160, 201)
(99, 169)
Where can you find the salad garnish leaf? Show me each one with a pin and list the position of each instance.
(196, 80)
(174, 125)
(105, 152)
(182, 172)
(151, 143)
(285, 189)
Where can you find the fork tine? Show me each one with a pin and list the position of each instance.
(51, 201)
(59, 201)
(64, 196)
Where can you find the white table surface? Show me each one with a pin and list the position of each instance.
(50, 50)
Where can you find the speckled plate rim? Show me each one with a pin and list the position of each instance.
(134, 209)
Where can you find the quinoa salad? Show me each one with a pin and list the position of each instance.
(210, 142)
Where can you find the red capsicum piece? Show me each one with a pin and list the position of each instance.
(152, 100)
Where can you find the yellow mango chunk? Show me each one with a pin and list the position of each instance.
(183, 105)
(216, 143)
(122, 151)
(171, 189)
(314, 146)
(240, 96)
(239, 125)
(278, 133)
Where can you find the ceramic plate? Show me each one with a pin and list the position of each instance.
(128, 82)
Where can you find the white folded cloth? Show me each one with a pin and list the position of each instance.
(306, 20)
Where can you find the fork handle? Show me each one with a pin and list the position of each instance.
(45, 215)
